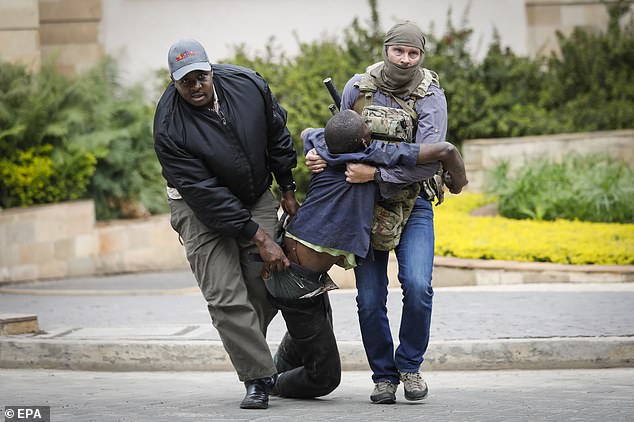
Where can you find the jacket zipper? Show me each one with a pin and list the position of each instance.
(231, 133)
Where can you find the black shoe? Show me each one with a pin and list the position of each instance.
(257, 396)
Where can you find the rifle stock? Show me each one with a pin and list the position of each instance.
(334, 94)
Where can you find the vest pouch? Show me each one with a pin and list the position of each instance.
(390, 217)
(387, 226)
(388, 123)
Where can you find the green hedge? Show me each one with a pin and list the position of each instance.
(38, 175)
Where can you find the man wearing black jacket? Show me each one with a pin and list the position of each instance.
(219, 133)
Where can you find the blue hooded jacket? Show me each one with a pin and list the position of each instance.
(337, 214)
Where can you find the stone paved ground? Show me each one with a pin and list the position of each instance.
(563, 395)
(484, 312)
(495, 312)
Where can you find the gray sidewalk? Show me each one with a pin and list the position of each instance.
(159, 321)
(581, 395)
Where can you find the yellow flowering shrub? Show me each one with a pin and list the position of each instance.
(461, 235)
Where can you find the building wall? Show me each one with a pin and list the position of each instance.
(222, 24)
(32, 31)
(70, 31)
(544, 17)
(19, 32)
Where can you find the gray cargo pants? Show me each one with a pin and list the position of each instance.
(232, 285)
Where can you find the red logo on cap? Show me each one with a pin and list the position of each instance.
(187, 54)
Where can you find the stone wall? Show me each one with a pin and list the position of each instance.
(63, 240)
(482, 155)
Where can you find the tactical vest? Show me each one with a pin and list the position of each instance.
(395, 125)
(367, 88)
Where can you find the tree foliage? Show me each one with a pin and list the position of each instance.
(589, 86)
(66, 138)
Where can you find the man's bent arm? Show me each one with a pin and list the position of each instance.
(452, 162)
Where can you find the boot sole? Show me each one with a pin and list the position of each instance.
(254, 406)
(415, 397)
(383, 400)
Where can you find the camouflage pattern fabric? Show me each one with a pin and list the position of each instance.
(389, 123)
(390, 217)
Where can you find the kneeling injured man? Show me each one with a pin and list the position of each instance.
(333, 226)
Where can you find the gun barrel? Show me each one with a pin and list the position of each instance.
(332, 89)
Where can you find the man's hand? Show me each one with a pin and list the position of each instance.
(314, 162)
(455, 185)
(289, 203)
(359, 173)
(271, 253)
(455, 174)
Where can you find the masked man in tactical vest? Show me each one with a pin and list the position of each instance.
(406, 104)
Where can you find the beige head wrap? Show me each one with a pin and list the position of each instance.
(394, 78)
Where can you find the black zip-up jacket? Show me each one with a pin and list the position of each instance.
(221, 163)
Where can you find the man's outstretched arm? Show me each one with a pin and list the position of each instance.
(455, 175)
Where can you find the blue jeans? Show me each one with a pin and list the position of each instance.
(415, 256)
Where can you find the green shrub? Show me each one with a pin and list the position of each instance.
(36, 118)
(586, 188)
(37, 176)
(500, 98)
(128, 181)
(63, 138)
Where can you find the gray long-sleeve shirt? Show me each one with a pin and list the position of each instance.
(432, 128)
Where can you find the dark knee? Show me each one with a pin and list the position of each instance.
(327, 384)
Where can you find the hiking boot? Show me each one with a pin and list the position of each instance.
(414, 385)
(384, 393)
